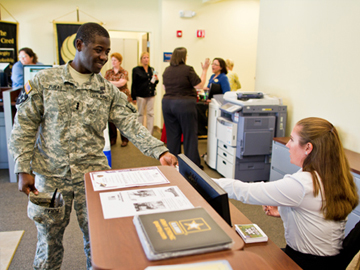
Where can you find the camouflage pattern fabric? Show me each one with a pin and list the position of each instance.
(49, 250)
(71, 120)
(40, 211)
(58, 134)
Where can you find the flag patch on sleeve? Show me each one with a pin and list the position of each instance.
(27, 87)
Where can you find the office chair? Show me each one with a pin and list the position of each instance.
(351, 246)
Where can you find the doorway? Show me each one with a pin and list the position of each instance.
(130, 45)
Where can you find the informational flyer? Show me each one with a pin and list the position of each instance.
(118, 204)
(114, 179)
(209, 265)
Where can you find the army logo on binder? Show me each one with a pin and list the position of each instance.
(189, 226)
(176, 233)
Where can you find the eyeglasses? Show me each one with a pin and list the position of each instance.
(213, 64)
(22, 57)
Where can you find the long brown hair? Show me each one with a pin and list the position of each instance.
(328, 161)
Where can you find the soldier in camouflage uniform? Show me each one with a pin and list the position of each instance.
(58, 136)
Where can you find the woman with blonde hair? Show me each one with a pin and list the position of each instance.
(232, 76)
(143, 87)
(315, 201)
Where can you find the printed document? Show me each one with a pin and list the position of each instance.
(210, 265)
(118, 204)
(114, 179)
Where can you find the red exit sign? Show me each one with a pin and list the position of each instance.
(200, 33)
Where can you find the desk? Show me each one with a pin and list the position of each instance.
(8, 98)
(115, 244)
(202, 109)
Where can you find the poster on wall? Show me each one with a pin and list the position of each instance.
(65, 34)
(8, 46)
(167, 56)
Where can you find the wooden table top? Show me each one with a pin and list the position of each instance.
(353, 157)
(115, 244)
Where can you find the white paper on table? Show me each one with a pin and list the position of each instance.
(209, 265)
(116, 204)
(113, 179)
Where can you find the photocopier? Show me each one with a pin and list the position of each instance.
(241, 127)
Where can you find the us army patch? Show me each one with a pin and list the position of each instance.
(27, 87)
(22, 97)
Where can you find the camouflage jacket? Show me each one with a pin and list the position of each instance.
(59, 126)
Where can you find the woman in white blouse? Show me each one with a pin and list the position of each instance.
(314, 202)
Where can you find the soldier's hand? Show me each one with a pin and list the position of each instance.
(168, 159)
(26, 184)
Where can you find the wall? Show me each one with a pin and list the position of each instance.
(35, 19)
(308, 54)
(230, 32)
(230, 29)
(230, 25)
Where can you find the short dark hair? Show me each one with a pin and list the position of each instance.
(178, 57)
(222, 65)
(87, 32)
(30, 53)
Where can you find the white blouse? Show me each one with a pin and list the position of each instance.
(306, 229)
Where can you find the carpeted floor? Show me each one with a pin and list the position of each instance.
(13, 214)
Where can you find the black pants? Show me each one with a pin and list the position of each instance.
(180, 116)
(313, 262)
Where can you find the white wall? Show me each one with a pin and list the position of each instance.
(35, 19)
(230, 29)
(308, 54)
(230, 25)
(230, 32)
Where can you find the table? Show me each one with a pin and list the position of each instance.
(202, 110)
(8, 98)
(115, 244)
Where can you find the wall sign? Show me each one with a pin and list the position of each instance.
(200, 33)
(167, 56)
(179, 33)
(8, 43)
(65, 34)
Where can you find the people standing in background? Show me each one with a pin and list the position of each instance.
(232, 76)
(179, 104)
(143, 87)
(26, 57)
(118, 76)
(219, 70)
(314, 202)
